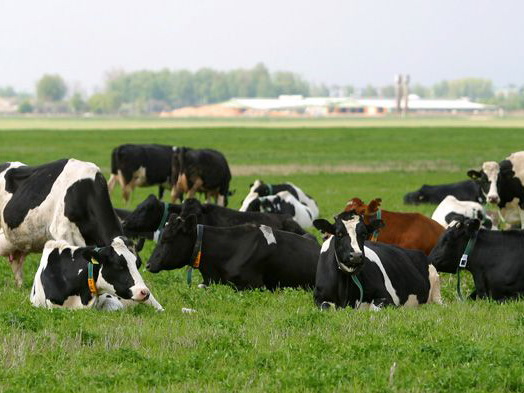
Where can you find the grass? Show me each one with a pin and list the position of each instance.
(260, 341)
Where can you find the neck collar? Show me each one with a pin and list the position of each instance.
(354, 277)
(164, 217)
(91, 281)
(374, 236)
(464, 261)
(197, 253)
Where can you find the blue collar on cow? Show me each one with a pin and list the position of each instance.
(374, 236)
(270, 188)
(164, 217)
(354, 277)
(464, 261)
(197, 253)
(90, 277)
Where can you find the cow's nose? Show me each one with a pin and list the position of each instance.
(493, 199)
(144, 294)
(356, 256)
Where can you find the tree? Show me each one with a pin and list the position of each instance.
(77, 103)
(7, 91)
(369, 91)
(104, 102)
(25, 107)
(51, 88)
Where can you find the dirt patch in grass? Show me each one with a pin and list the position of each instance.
(289, 169)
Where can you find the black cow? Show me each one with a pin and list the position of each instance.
(140, 166)
(496, 261)
(388, 275)
(502, 183)
(65, 199)
(245, 256)
(200, 170)
(64, 275)
(149, 217)
(466, 190)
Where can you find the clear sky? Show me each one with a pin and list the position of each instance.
(325, 41)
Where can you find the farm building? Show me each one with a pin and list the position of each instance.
(297, 105)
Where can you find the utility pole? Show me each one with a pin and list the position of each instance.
(398, 91)
(405, 93)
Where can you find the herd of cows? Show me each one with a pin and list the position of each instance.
(369, 257)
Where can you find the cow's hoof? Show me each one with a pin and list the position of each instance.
(202, 286)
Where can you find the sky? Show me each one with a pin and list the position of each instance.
(333, 42)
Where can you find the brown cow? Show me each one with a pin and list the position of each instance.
(408, 230)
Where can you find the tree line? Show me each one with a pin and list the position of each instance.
(155, 91)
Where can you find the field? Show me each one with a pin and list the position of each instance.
(257, 340)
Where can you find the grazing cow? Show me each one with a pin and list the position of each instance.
(496, 259)
(200, 170)
(284, 203)
(408, 230)
(451, 207)
(260, 189)
(363, 275)
(65, 199)
(149, 218)
(502, 183)
(466, 190)
(246, 256)
(141, 166)
(85, 277)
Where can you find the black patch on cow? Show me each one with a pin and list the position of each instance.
(4, 166)
(32, 186)
(508, 185)
(455, 217)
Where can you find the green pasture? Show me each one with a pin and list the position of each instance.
(257, 340)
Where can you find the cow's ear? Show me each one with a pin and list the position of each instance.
(99, 254)
(190, 223)
(472, 226)
(324, 226)
(475, 175)
(375, 225)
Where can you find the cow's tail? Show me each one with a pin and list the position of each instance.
(114, 170)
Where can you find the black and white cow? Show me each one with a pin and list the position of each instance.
(388, 275)
(466, 190)
(284, 203)
(245, 256)
(62, 279)
(451, 207)
(149, 217)
(502, 183)
(141, 166)
(200, 170)
(496, 261)
(62, 200)
(261, 189)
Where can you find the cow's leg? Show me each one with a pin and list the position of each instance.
(434, 286)
(221, 200)
(521, 213)
(17, 264)
(176, 194)
(111, 182)
(196, 185)
(151, 301)
(160, 192)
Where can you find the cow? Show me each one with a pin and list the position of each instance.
(149, 218)
(245, 256)
(62, 200)
(502, 182)
(141, 166)
(366, 275)
(466, 190)
(200, 170)
(408, 230)
(261, 189)
(104, 278)
(451, 207)
(496, 259)
(284, 203)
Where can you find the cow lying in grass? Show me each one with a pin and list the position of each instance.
(496, 260)
(245, 256)
(104, 278)
(386, 275)
(408, 230)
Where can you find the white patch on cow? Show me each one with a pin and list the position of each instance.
(373, 257)
(450, 204)
(251, 196)
(326, 244)
(434, 286)
(175, 148)
(491, 169)
(139, 177)
(268, 234)
(308, 201)
(302, 217)
(109, 303)
(351, 228)
(79, 271)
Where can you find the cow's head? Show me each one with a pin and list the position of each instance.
(446, 254)
(118, 273)
(145, 218)
(361, 208)
(175, 246)
(261, 188)
(417, 197)
(251, 202)
(350, 232)
(271, 205)
(487, 179)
